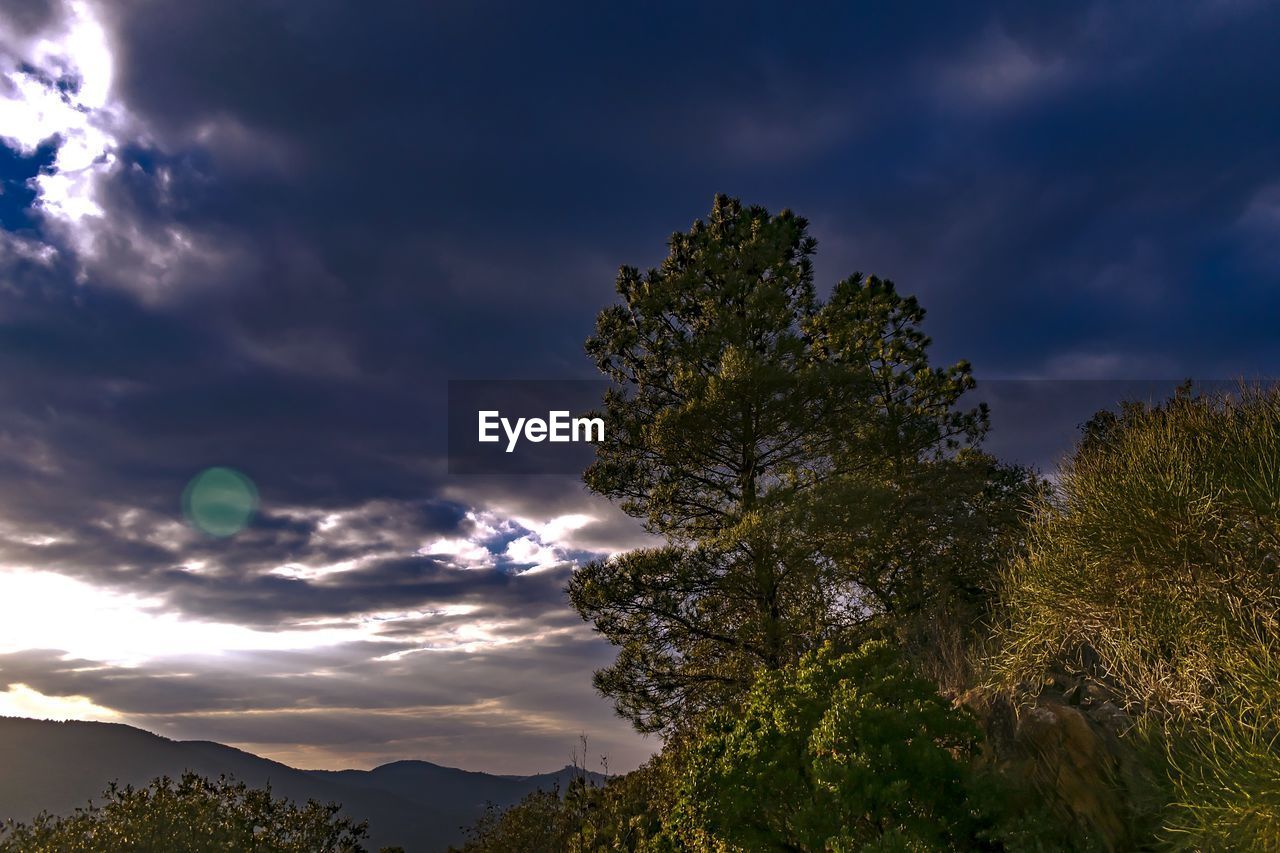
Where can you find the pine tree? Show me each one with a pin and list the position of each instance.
(781, 445)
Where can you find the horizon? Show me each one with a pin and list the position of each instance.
(566, 766)
(263, 239)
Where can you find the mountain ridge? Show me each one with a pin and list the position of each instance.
(57, 766)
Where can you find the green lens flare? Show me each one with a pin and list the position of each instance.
(220, 501)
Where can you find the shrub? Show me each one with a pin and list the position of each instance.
(1154, 567)
(1224, 764)
(843, 752)
(539, 823)
(1155, 563)
(624, 814)
(194, 815)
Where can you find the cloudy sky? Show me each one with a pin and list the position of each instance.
(264, 234)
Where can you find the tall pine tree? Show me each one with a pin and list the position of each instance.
(781, 444)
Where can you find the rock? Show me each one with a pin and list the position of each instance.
(1111, 718)
(1094, 692)
(1073, 764)
(1073, 756)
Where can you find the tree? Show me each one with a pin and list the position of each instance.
(783, 446)
(624, 814)
(195, 815)
(539, 823)
(841, 752)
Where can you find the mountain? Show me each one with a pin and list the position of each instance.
(57, 766)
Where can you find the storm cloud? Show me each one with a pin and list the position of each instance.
(266, 234)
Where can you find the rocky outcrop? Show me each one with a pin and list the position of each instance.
(1068, 746)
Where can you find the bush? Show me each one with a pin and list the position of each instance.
(1154, 568)
(628, 812)
(194, 815)
(1155, 563)
(1224, 766)
(625, 814)
(843, 752)
(539, 823)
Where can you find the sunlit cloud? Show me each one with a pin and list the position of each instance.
(59, 86)
(19, 700)
(301, 571)
(557, 528)
(45, 610)
(528, 549)
(461, 551)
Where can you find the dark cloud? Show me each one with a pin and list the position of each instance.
(313, 215)
(31, 16)
(398, 583)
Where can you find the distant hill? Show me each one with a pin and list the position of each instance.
(55, 767)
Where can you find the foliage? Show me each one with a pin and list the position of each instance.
(818, 483)
(540, 823)
(842, 752)
(624, 814)
(628, 812)
(928, 542)
(1154, 568)
(1155, 563)
(1224, 764)
(799, 456)
(194, 815)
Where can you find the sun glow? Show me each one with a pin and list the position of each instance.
(21, 701)
(32, 110)
(45, 610)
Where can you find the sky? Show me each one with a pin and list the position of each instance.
(266, 234)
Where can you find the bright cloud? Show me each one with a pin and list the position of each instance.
(59, 86)
(21, 701)
(462, 551)
(559, 527)
(56, 88)
(528, 549)
(45, 610)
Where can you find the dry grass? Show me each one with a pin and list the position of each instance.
(1154, 566)
(1155, 561)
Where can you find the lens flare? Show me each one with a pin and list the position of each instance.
(220, 501)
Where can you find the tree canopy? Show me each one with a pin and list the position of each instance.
(841, 752)
(194, 815)
(794, 452)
